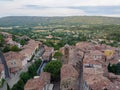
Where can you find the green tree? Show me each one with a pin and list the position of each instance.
(118, 68)
(109, 67)
(32, 70)
(6, 49)
(1, 40)
(58, 55)
(113, 68)
(37, 63)
(25, 76)
(19, 85)
(8, 87)
(54, 67)
(15, 48)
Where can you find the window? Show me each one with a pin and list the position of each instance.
(14, 63)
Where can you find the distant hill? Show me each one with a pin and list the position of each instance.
(71, 20)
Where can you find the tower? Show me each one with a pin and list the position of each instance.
(66, 54)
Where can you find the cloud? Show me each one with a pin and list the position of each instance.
(59, 3)
(99, 9)
(48, 12)
(59, 7)
(5, 0)
(34, 7)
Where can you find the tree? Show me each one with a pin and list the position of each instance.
(1, 40)
(114, 68)
(8, 87)
(37, 63)
(109, 67)
(15, 48)
(14, 38)
(118, 68)
(27, 75)
(19, 85)
(54, 67)
(24, 76)
(22, 42)
(58, 55)
(32, 70)
(6, 49)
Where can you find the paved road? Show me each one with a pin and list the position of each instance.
(40, 69)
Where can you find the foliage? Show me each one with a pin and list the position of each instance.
(14, 38)
(58, 55)
(19, 85)
(37, 63)
(114, 68)
(2, 82)
(8, 87)
(15, 48)
(6, 49)
(32, 70)
(32, 21)
(25, 76)
(68, 30)
(1, 40)
(22, 41)
(54, 67)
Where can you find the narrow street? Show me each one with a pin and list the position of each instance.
(40, 69)
(13, 79)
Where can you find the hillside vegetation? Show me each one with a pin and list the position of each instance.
(57, 31)
(73, 20)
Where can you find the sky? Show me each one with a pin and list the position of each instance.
(60, 8)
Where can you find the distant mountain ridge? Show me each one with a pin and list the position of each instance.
(36, 20)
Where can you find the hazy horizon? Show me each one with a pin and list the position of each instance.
(61, 16)
(51, 8)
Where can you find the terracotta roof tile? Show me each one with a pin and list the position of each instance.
(38, 83)
(67, 71)
(13, 56)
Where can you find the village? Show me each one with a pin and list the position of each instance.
(84, 65)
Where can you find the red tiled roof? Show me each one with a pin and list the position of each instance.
(67, 71)
(13, 56)
(38, 83)
(96, 52)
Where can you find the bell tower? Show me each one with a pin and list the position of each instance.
(66, 54)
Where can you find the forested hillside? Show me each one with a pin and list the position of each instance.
(34, 20)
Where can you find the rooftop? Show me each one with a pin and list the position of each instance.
(67, 71)
(38, 83)
(13, 56)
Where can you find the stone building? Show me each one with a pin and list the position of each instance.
(14, 61)
(72, 70)
(66, 54)
(41, 82)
